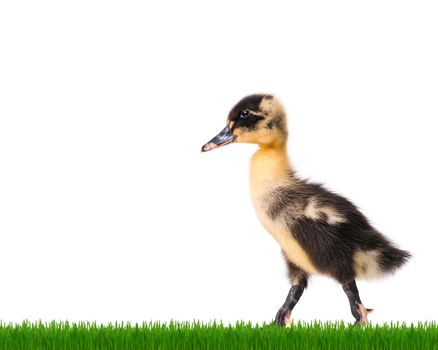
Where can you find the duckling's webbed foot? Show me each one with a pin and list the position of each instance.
(298, 279)
(283, 317)
(359, 312)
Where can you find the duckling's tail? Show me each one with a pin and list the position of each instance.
(391, 258)
(379, 258)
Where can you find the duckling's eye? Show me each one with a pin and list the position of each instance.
(244, 113)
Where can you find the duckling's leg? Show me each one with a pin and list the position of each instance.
(298, 279)
(357, 309)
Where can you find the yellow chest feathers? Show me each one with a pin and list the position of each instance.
(270, 169)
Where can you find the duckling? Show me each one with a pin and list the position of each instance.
(319, 232)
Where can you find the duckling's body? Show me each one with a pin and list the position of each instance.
(318, 231)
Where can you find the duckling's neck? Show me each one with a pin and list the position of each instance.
(270, 168)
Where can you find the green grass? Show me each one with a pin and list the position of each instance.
(317, 335)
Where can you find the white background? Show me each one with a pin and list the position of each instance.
(108, 210)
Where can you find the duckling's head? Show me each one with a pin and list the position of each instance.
(258, 119)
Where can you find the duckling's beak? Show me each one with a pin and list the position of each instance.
(225, 137)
